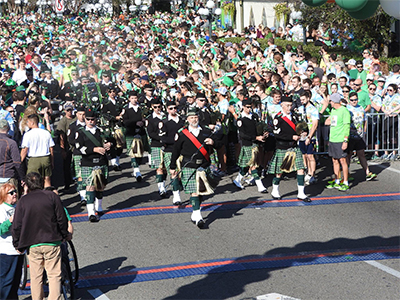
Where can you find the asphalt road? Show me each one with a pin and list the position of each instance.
(144, 248)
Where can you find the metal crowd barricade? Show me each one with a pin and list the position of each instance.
(381, 132)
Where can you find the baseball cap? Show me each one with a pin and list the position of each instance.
(222, 90)
(351, 62)
(4, 124)
(382, 79)
(68, 106)
(370, 77)
(335, 98)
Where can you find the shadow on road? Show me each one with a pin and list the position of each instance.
(221, 283)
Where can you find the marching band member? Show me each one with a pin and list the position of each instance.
(287, 157)
(90, 143)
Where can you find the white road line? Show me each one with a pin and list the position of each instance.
(384, 167)
(98, 295)
(383, 268)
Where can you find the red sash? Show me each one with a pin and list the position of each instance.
(197, 144)
(291, 124)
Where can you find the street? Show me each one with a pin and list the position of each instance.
(340, 246)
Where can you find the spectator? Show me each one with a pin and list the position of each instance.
(10, 260)
(40, 225)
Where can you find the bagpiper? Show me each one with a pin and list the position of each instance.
(195, 144)
(93, 147)
(287, 157)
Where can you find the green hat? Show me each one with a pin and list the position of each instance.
(10, 82)
(20, 88)
(228, 81)
(201, 41)
(54, 58)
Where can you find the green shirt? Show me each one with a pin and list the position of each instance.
(363, 99)
(340, 125)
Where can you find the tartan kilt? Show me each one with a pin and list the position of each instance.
(167, 160)
(189, 183)
(277, 159)
(156, 158)
(245, 155)
(77, 165)
(87, 171)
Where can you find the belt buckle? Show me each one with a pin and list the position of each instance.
(199, 161)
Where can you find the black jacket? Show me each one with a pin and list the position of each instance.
(39, 218)
(185, 147)
(85, 145)
(168, 132)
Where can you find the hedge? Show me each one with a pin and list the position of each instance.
(314, 50)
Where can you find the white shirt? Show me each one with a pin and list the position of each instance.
(6, 246)
(38, 141)
(194, 131)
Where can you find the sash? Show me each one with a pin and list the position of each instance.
(196, 143)
(291, 124)
(91, 137)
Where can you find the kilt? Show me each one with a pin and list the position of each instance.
(189, 183)
(129, 141)
(77, 165)
(87, 171)
(245, 155)
(279, 155)
(167, 160)
(156, 158)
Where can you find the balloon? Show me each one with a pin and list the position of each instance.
(391, 7)
(314, 3)
(366, 12)
(351, 5)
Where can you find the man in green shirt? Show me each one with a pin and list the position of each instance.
(339, 122)
(363, 96)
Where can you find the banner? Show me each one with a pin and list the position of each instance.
(59, 6)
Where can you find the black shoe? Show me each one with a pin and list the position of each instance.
(100, 213)
(263, 191)
(200, 223)
(93, 219)
(305, 199)
(139, 178)
(83, 202)
(163, 194)
(177, 203)
(117, 168)
(276, 198)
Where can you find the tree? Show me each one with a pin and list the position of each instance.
(373, 32)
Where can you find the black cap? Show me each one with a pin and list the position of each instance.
(286, 99)
(156, 101)
(201, 95)
(170, 102)
(193, 111)
(246, 101)
(90, 113)
(80, 108)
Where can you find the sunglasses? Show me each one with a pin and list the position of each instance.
(252, 91)
(357, 84)
(12, 192)
(372, 89)
(310, 70)
(172, 108)
(353, 100)
(90, 119)
(346, 91)
(248, 106)
(202, 100)
(358, 67)
(156, 106)
(390, 90)
(11, 111)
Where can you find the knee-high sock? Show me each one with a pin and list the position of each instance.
(195, 201)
